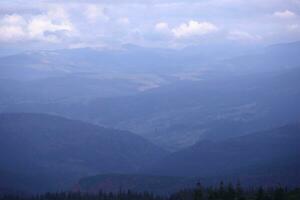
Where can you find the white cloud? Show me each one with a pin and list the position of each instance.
(243, 36)
(162, 27)
(57, 12)
(47, 27)
(294, 27)
(11, 28)
(287, 14)
(94, 13)
(44, 28)
(164, 22)
(8, 33)
(13, 19)
(193, 28)
(123, 21)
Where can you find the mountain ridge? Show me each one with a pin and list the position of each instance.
(62, 150)
(241, 157)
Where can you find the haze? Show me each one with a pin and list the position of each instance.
(151, 96)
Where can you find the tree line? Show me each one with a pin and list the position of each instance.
(221, 192)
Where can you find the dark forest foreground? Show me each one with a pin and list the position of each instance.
(222, 192)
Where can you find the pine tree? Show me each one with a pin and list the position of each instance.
(278, 194)
(260, 195)
(198, 194)
(221, 190)
(239, 192)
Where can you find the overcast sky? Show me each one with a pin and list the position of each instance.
(164, 23)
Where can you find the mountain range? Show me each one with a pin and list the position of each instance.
(46, 153)
(141, 115)
(268, 158)
(41, 152)
(265, 158)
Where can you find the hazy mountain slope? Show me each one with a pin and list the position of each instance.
(174, 104)
(53, 152)
(179, 114)
(270, 156)
(271, 58)
(101, 73)
(66, 89)
(128, 59)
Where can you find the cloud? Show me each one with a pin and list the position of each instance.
(284, 14)
(162, 27)
(243, 36)
(148, 22)
(11, 28)
(95, 13)
(49, 27)
(44, 28)
(294, 27)
(123, 21)
(11, 33)
(186, 30)
(13, 19)
(193, 28)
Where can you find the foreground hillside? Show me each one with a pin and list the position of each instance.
(41, 152)
(267, 158)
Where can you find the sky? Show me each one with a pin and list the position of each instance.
(33, 24)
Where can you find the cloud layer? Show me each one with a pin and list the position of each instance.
(51, 26)
(166, 23)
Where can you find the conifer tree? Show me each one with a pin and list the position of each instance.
(198, 194)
